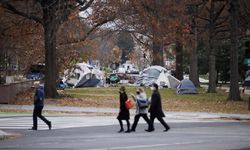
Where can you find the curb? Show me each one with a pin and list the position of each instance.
(172, 115)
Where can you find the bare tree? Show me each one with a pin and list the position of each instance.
(234, 93)
(51, 14)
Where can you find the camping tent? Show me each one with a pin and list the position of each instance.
(82, 75)
(186, 87)
(158, 75)
(247, 78)
(167, 80)
(129, 68)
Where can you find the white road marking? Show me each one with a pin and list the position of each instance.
(154, 145)
(61, 122)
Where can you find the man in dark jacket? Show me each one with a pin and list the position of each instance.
(38, 107)
(156, 109)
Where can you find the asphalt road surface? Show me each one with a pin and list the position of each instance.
(182, 136)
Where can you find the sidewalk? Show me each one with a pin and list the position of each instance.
(169, 115)
(246, 91)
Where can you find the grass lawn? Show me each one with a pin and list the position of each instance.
(109, 97)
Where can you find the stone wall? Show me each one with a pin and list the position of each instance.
(8, 92)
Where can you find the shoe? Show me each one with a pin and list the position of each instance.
(166, 130)
(50, 125)
(120, 131)
(132, 130)
(33, 128)
(149, 130)
(128, 131)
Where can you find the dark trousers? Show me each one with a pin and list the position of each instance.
(38, 113)
(136, 120)
(152, 118)
(121, 124)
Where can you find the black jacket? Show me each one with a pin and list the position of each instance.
(124, 112)
(156, 107)
(39, 96)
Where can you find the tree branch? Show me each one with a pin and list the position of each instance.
(219, 12)
(222, 31)
(13, 10)
(84, 4)
(202, 18)
(89, 32)
(222, 21)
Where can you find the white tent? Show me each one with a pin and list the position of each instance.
(81, 75)
(128, 68)
(167, 80)
(158, 75)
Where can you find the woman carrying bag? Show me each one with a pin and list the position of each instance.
(141, 108)
(124, 112)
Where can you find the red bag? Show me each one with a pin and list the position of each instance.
(129, 104)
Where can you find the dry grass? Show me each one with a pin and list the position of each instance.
(109, 97)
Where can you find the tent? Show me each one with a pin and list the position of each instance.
(82, 75)
(167, 80)
(129, 68)
(158, 75)
(247, 78)
(186, 87)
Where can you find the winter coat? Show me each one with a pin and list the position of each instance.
(156, 106)
(140, 110)
(39, 96)
(124, 112)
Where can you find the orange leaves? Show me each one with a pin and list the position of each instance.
(74, 15)
(22, 39)
(116, 51)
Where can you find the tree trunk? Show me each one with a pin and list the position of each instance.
(50, 28)
(194, 75)
(179, 61)
(212, 58)
(234, 93)
(157, 53)
(212, 69)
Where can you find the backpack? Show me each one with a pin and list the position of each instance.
(143, 103)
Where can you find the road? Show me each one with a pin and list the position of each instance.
(74, 133)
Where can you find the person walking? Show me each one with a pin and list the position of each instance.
(38, 106)
(141, 111)
(156, 109)
(124, 112)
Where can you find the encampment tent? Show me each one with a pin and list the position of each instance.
(186, 87)
(82, 75)
(158, 75)
(167, 80)
(247, 78)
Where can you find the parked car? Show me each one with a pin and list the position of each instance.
(113, 78)
(36, 72)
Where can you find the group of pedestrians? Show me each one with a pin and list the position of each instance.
(155, 110)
